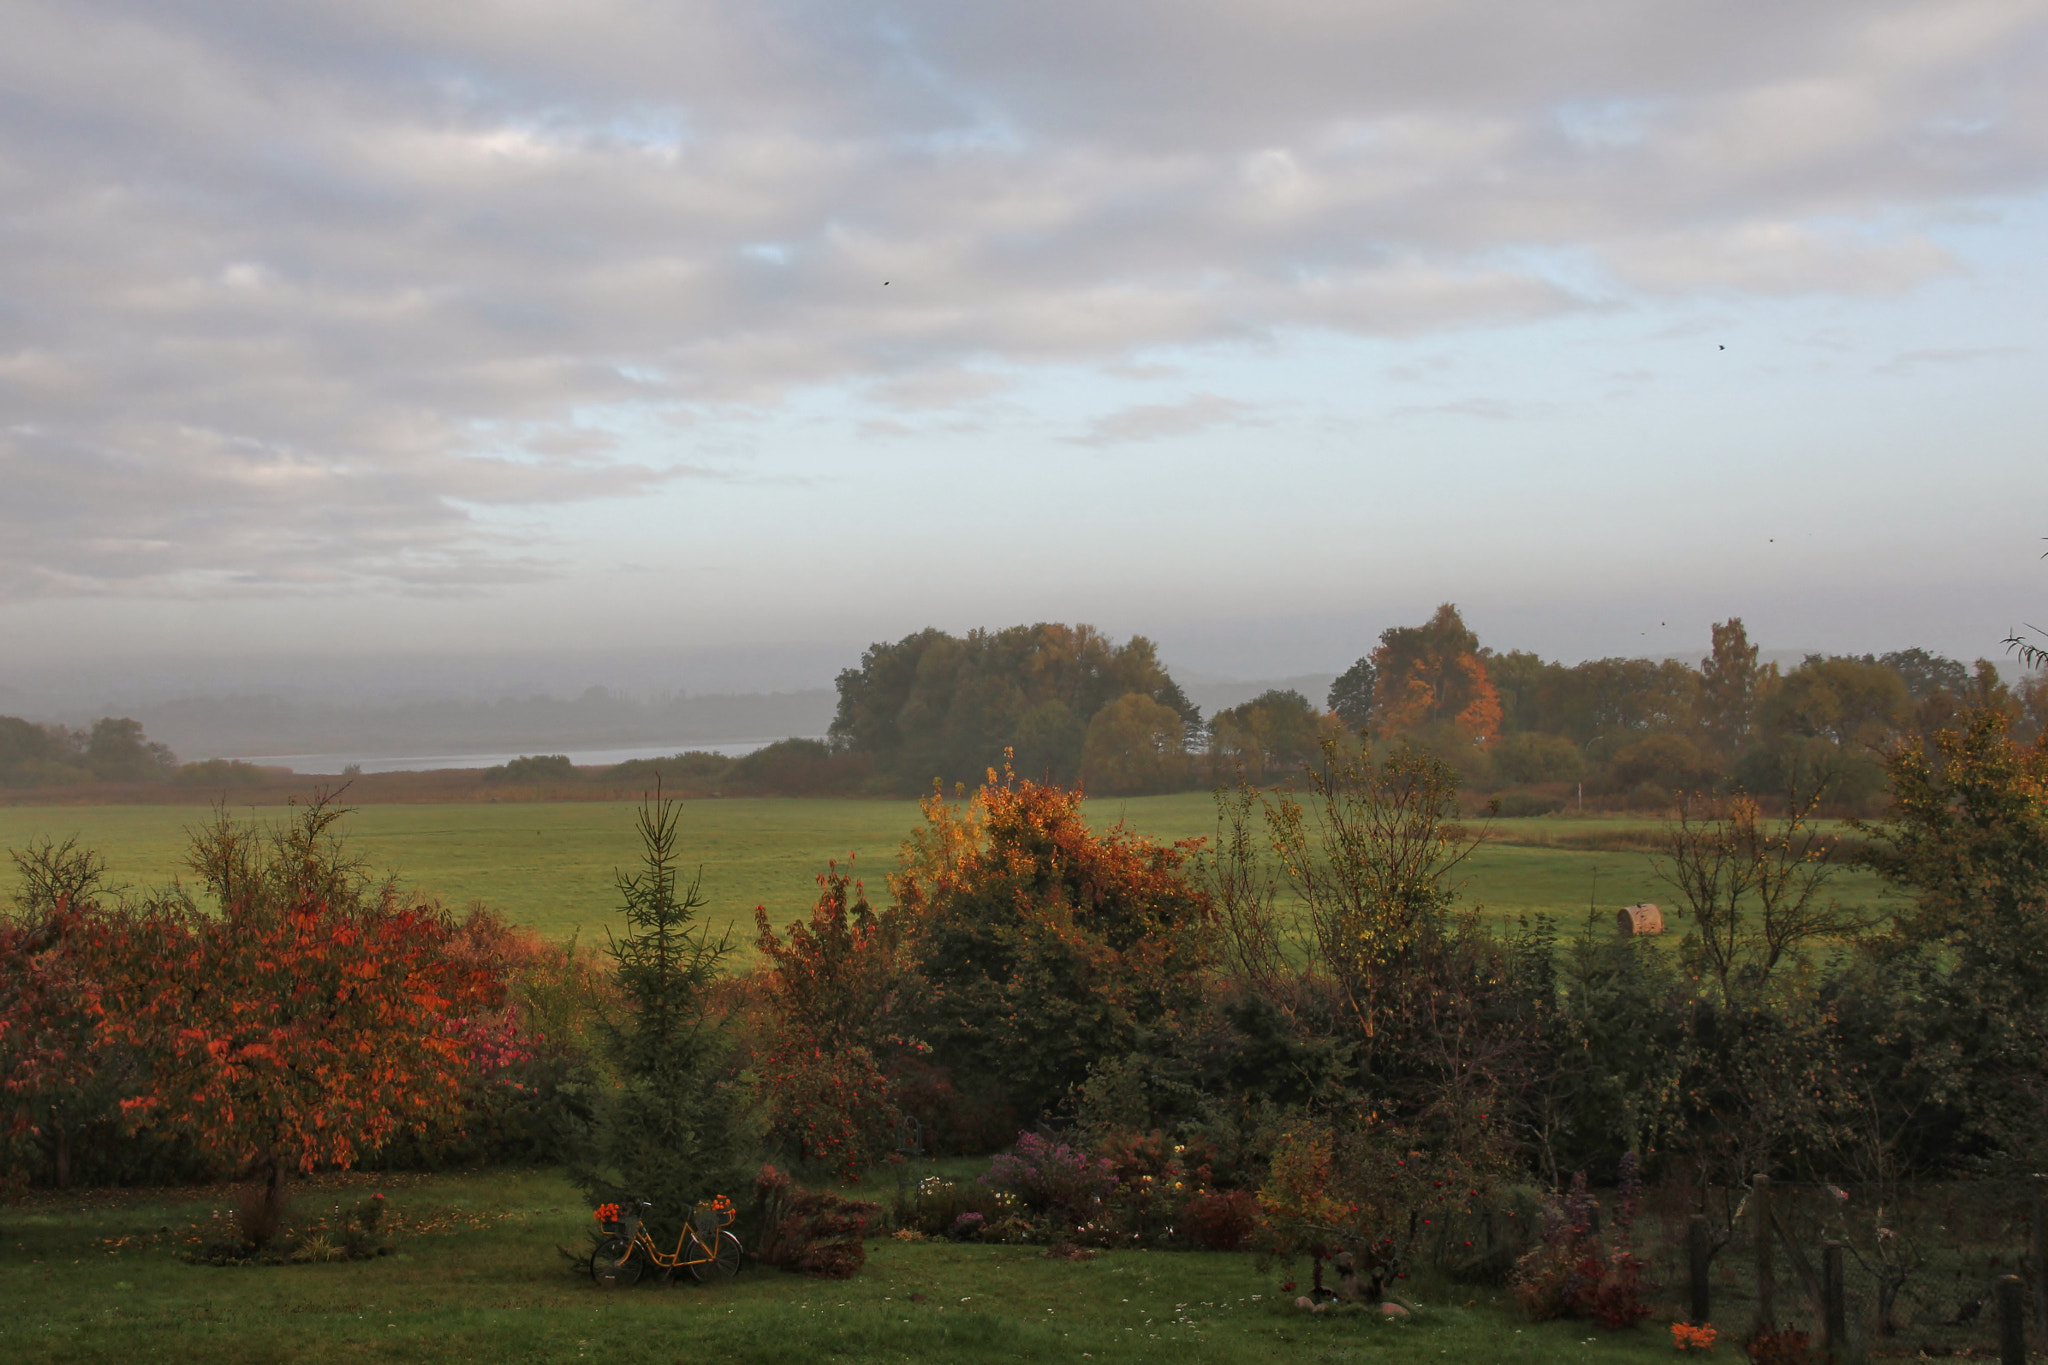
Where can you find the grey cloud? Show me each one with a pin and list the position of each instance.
(292, 284)
(1150, 421)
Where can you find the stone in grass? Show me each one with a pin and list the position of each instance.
(1393, 1310)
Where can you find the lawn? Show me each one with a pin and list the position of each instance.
(476, 1276)
(550, 865)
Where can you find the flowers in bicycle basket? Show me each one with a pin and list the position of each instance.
(606, 1213)
(720, 1207)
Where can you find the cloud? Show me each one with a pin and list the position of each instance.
(1151, 421)
(1908, 361)
(295, 285)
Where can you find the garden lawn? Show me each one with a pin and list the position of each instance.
(550, 864)
(477, 1277)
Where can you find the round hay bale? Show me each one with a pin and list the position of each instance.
(1639, 919)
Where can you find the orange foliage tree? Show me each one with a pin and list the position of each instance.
(1042, 946)
(1432, 677)
(304, 1019)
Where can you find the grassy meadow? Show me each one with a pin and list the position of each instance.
(550, 864)
(476, 1277)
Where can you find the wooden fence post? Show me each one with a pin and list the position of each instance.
(1834, 1316)
(2039, 1255)
(1766, 1283)
(2012, 1322)
(1698, 1258)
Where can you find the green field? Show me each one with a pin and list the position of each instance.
(550, 865)
(476, 1277)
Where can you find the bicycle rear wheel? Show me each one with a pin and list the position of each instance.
(615, 1263)
(721, 1259)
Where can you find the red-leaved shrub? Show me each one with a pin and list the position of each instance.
(1220, 1220)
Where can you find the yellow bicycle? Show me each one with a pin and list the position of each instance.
(705, 1248)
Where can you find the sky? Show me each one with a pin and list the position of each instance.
(396, 338)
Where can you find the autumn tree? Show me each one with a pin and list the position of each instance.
(1431, 679)
(1042, 945)
(301, 1017)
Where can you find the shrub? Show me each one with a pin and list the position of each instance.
(1573, 1273)
(219, 772)
(1053, 1178)
(811, 1232)
(1785, 1346)
(1220, 1220)
(829, 991)
(533, 768)
(1520, 805)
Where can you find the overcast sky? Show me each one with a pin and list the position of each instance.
(399, 328)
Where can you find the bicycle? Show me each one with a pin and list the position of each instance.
(705, 1248)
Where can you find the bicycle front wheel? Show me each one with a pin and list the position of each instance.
(615, 1263)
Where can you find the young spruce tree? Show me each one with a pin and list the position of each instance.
(670, 1130)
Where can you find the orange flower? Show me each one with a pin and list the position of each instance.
(1686, 1337)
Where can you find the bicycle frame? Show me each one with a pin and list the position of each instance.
(634, 1230)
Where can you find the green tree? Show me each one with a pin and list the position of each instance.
(1351, 695)
(1528, 757)
(935, 706)
(1967, 841)
(118, 751)
(671, 1129)
(1842, 700)
(1729, 683)
(1269, 737)
(1134, 744)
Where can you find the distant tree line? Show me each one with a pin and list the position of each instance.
(113, 749)
(1067, 705)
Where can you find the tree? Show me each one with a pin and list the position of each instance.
(1842, 700)
(1729, 683)
(1351, 695)
(1755, 891)
(1273, 735)
(935, 706)
(1134, 744)
(1431, 677)
(118, 751)
(1043, 946)
(670, 1130)
(1370, 859)
(303, 1019)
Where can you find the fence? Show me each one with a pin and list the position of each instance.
(1929, 1270)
